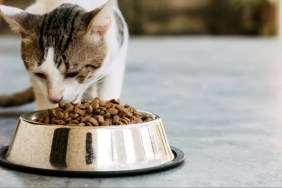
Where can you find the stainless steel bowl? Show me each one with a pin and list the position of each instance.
(70, 148)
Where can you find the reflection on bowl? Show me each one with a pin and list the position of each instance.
(70, 148)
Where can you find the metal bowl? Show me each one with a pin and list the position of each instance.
(70, 148)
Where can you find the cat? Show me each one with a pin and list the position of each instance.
(72, 50)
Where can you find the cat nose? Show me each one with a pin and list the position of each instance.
(55, 95)
(55, 99)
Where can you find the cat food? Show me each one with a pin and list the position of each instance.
(93, 113)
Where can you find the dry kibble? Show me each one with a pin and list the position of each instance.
(52, 112)
(103, 108)
(122, 114)
(66, 115)
(102, 103)
(69, 109)
(95, 105)
(68, 119)
(120, 108)
(61, 105)
(93, 122)
(74, 116)
(81, 106)
(68, 105)
(59, 115)
(47, 120)
(127, 119)
(79, 111)
(107, 115)
(102, 112)
(110, 121)
(97, 112)
(85, 119)
(59, 122)
(124, 121)
(105, 123)
(74, 122)
(109, 105)
(115, 101)
(89, 108)
(81, 124)
(99, 118)
(113, 111)
(79, 119)
(115, 119)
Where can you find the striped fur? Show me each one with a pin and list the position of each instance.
(62, 29)
(68, 50)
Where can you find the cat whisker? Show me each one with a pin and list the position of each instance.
(87, 92)
(96, 81)
(85, 97)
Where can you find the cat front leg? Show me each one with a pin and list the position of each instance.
(91, 92)
(110, 87)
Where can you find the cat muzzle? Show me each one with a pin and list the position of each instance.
(55, 99)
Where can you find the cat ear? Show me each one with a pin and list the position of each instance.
(19, 20)
(101, 19)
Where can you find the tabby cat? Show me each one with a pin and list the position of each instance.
(72, 50)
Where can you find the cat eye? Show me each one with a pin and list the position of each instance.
(40, 75)
(71, 74)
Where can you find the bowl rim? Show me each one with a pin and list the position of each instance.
(30, 114)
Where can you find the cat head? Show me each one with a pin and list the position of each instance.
(63, 50)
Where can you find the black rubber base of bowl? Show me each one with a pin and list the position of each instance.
(179, 158)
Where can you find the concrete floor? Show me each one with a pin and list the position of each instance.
(219, 98)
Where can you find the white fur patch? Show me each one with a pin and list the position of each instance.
(9, 11)
(50, 68)
(55, 79)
